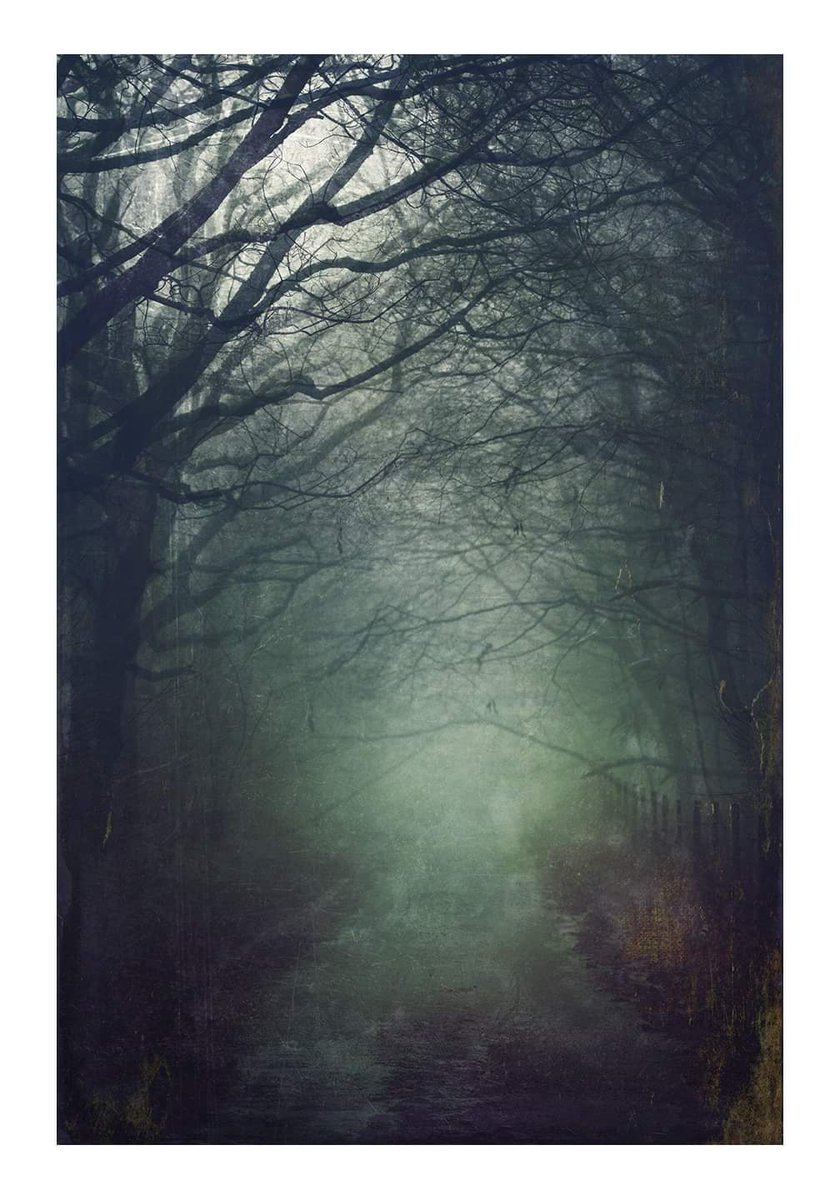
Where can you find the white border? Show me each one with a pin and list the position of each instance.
(32, 1162)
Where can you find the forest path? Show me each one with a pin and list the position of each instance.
(453, 1006)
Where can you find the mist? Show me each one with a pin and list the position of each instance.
(419, 599)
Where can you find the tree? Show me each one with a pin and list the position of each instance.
(451, 314)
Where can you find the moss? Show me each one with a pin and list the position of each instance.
(144, 1115)
(755, 1118)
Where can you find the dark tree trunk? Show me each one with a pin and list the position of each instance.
(98, 864)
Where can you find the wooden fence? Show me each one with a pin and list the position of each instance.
(722, 834)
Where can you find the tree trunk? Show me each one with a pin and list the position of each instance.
(99, 864)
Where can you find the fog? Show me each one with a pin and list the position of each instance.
(419, 598)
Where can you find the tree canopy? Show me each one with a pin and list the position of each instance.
(401, 393)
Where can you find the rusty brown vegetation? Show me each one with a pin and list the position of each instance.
(687, 947)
